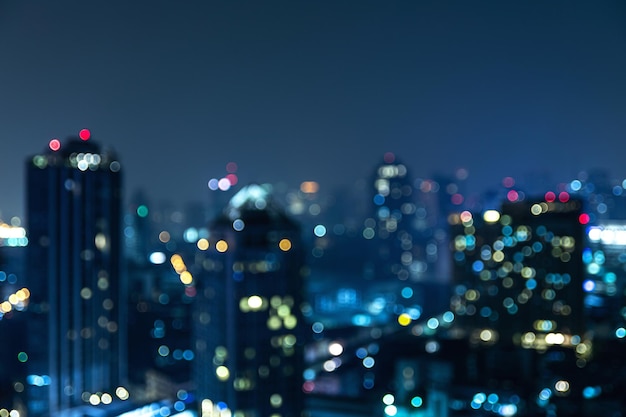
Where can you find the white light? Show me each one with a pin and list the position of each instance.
(335, 349)
(391, 410)
(157, 258)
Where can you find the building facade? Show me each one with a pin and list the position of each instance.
(76, 330)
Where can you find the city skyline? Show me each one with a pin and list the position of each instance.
(299, 91)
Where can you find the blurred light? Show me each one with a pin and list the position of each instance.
(84, 134)
(232, 179)
(404, 319)
(238, 225)
(309, 187)
(491, 216)
(563, 197)
(213, 184)
(391, 410)
(223, 184)
(319, 230)
(388, 399)
(142, 211)
(512, 195)
(231, 167)
(589, 285)
(221, 246)
(550, 196)
(583, 218)
(284, 244)
(202, 244)
(55, 145)
(335, 349)
(417, 401)
(561, 386)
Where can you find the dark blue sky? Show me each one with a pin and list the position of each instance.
(314, 90)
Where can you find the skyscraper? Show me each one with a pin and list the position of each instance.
(76, 331)
(248, 322)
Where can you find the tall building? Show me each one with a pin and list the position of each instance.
(248, 325)
(519, 273)
(76, 332)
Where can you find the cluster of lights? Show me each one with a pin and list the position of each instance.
(181, 269)
(9, 413)
(16, 301)
(493, 403)
(12, 234)
(391, 408)
(227, 181)
(105, 398)
(209, 408)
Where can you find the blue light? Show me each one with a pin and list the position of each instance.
(591, 392)
(531, 284)
(379, 200)
(478, 266)
(417, 401)
(589, 285)
(319, 230)
(620, 332)
(407, 292)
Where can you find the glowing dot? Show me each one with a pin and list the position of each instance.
(186, 277)
(122, 393)
(563, 197)
(142, 211)
(164, 236)
(202, 244)
(232, 179)
(335, 349)
(491, 216)
(417, 402)
(284, 245)
(550, 196)
(508, 182)
(93, 398)
(319, 230)
(84, 134)
(231, 167)
(255, 302)
(562, 386)
(238, 225)
(589, 285)
(389, 399)
(583, 218)
(389, 157)
(163, 350)
(213, 184)
(222, 373)
(223, 184)
(221, 246)
(22, 357)
(512, 195)
(404, 319)
(55, 144)
(106, 398)
(309, 187)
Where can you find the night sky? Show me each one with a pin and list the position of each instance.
(314, 90)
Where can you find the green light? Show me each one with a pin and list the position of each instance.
(142, 211)
(22, 357)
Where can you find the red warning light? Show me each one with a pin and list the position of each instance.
(563, 197)
(583, 218)
(550, 197)
(84, 134)
(54, 144)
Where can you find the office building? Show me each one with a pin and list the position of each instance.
(76, 331)
(248, 325)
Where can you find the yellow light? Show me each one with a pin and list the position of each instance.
(122, 393)
(491, 216)
(255, 302)
(222, 373)
(404, 319)
(486, 335)
(5, 307)
(221, 246)
(203, 244)
(13, 299)
(284, 245)
(309, 187)
(186, 277)
(106, 398)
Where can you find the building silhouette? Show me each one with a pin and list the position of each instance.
(248, 325)
(76, 329)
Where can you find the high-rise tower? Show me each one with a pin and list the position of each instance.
(76, 330)
(248, 323)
